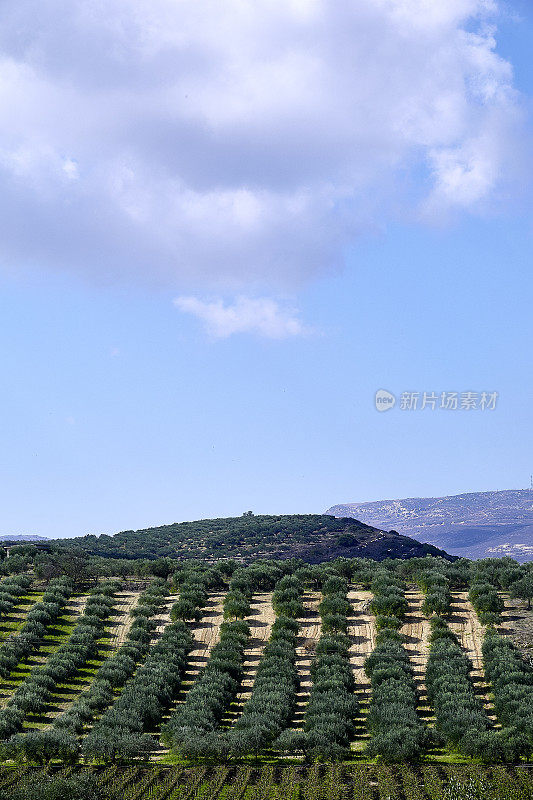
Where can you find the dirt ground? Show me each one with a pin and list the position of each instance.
(306, 642)
(122, 620)
(464, 622)
(260, 623)
(163, 618)
(416, 630)
(362, 633)
(118, 627)
(206, 634)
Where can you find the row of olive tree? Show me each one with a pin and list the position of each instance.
(120, 666)
(512, 684)
(460, 717)
(35, 693)
(12, 590)
(522, 585)
(388, 600)
(194, 580)
(436, 586)
(122, 731)
(272, 703)
(39, 618)
(397, 733)
(487, 602)
(286, 598)
(246, 581)
(329, 718)
(493, 574)
(190, 728)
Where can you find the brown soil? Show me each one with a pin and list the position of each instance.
(362, 633)
(163, 618)
(464, 622)
(76, 606)
(416, 631)
(118, 627)
(122, 620)
(260, 626)
(307, 639)
(206, 634)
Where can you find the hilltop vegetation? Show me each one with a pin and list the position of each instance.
(311, 537)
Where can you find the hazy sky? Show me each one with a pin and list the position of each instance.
(225, 226)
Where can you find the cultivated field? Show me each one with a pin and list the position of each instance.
(205, 686)
(321, 782)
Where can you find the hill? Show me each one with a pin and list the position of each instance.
(473, 525)
(311, 537)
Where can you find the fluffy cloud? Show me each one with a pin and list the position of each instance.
(240, 144)
(262, 316)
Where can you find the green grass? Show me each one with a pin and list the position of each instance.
(55, 636)
(66, 693)
(16, 618)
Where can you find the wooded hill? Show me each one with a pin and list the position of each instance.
(311, 537)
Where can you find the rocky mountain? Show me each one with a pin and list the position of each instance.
(23, 538)
(474, 525)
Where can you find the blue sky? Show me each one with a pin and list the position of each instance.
(198, 305)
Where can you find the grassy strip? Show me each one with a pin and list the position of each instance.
(14, 621)
(12, 591)
(52, 641)
(39, 618)
(33, 696)
(111, 676)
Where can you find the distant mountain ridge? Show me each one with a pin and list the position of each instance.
(23, 537)
(474, 525)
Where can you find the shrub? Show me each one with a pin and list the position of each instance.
(47, 787)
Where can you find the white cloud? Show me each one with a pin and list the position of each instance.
(261, 315)
(239, 146)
